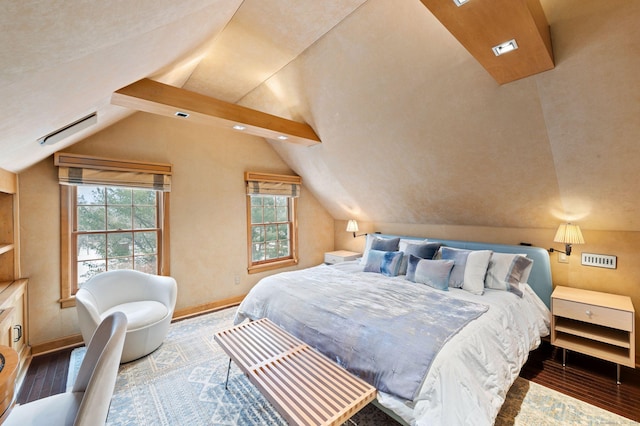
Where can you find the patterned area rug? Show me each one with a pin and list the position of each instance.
(182, 383)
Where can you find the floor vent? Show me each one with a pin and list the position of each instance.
(600, 260)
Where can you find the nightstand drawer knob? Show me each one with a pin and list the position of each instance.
(588, 313)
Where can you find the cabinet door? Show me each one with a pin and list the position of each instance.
(6, 323)
(18, 325)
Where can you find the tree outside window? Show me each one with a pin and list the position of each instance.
(115, 228)
(270, 228)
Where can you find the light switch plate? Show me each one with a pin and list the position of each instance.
(600, 260)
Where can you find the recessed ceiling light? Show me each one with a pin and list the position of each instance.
(460, 2)
(239, 127)
(507, 46)
(283, 137)
(182, 114)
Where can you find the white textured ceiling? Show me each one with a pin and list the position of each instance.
(60, 61)
(413, 129)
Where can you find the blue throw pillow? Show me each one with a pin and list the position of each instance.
(385, 244)
(459, 257)
(422, 250)
(434, 273)
(384, 262)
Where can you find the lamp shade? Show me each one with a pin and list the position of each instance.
(569, 234)
(352, 226)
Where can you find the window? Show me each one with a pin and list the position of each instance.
(114, 228)
(271, 221)
(113, 216)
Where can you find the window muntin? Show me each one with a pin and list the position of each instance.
(114, 228)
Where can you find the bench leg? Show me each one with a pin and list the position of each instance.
(227, 381)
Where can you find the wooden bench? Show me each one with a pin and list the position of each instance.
(304, 386)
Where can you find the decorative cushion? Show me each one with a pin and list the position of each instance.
(404, 242)
(423, 250)
(470, 268)
(384, 262)
(434, 273)
(506, 271)
(385, 244)
(459, 257)
(378, 243)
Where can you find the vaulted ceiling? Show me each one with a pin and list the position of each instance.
(413, 128)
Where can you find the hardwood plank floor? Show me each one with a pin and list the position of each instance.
(47, 375)
(584, 378)
(587, 379)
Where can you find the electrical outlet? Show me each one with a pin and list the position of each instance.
(562, 258)
(236, 279)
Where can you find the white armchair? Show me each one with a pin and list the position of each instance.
(148, 301)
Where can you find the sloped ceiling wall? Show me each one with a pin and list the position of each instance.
(414, 130)
(60, 62)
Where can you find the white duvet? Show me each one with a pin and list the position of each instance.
(470, 377)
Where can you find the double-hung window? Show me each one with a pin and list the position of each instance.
(272, 228)
(115, 228)
(114, 215)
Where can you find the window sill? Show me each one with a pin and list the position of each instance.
(271, 265)
(69, 302)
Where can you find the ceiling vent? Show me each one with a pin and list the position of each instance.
(69, 130)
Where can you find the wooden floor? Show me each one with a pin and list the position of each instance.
(584, 378)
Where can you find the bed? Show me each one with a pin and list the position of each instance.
(437, 353)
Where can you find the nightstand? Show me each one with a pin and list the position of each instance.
(594, 323)
(333, 257)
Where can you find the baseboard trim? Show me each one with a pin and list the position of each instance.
(75, 340)
(57, 345)
(207, 307)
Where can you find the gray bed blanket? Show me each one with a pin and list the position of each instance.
(385, 331)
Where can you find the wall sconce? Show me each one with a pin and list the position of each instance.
(352, 226)
(567, 234)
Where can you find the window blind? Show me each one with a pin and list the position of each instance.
(272, 184)
(76, 169)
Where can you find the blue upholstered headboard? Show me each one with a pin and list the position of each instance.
(540, 277)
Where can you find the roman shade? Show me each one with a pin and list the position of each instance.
(272, 184)
(74, 169)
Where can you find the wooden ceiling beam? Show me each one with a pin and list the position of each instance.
(480, 25)
(159, 98)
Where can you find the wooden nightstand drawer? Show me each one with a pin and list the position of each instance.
(607, 317)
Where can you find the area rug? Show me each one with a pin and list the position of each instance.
(182, 383)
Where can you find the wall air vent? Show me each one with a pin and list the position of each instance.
(69, 130)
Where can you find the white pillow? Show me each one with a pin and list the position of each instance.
(476, 270)
(367, 247)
